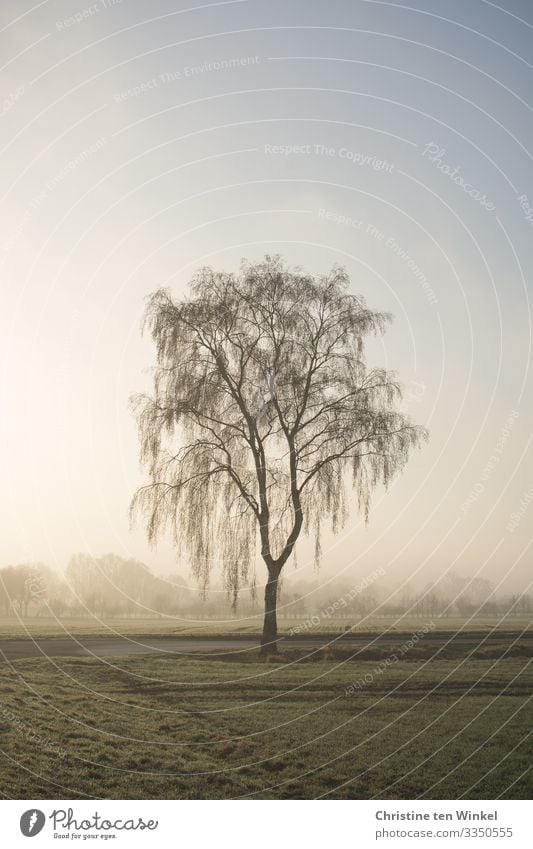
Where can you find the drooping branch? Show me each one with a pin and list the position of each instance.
(262, 405)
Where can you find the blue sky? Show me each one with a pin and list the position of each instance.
(141, 141)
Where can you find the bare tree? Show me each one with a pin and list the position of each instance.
(264, 418)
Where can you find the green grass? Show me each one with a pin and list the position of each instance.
(37, 626)
(432, 726)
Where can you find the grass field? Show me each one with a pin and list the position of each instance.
(37, 626)
(432, 725)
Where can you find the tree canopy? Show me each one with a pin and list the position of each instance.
(265, 419)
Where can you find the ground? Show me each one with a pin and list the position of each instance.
(446, 722)
(14, 627)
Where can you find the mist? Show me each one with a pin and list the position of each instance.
(111, 588)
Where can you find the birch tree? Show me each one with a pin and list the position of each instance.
(265, 421)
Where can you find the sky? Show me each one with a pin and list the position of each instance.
(140, 142)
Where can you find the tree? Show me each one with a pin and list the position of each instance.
(264, 418)
(6, 590)
(23, 585)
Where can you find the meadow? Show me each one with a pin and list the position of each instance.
(439, 722)
(15, 627)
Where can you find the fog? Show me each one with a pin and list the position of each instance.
(111, 586)
(203, 137)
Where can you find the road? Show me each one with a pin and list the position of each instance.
(123, 646)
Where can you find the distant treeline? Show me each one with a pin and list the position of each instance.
(103, 586)
(109, 585)
(115, 586)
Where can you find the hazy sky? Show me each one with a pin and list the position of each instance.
(140, 141)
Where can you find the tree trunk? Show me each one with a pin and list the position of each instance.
(269, 637)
